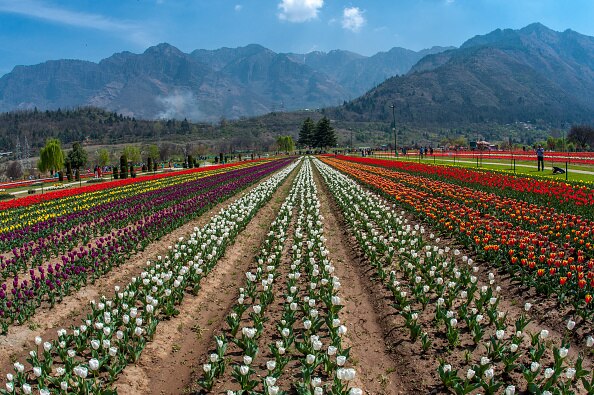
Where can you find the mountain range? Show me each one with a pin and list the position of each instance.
(533, 74)
(204, 85)
(530, 74)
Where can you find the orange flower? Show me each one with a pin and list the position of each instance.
(588, 298)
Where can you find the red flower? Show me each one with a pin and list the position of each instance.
(562, 280)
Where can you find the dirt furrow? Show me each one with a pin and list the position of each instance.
(366, 311)
(19, 340)
(168, 364)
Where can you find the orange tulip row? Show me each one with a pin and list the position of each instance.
(529, 255)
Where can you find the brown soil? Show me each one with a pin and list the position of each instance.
(180, 345)
(420, 369)
(269, 334)
(386, 360)
(19, 340)
(367, 313)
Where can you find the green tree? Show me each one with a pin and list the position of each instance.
(51, 156)
(306, 133)
(132, 152)
(285, 143)
(553, 143)
(185, 126)
(77, 158)
(103, 157)
(123, 166)
(68, 170)
(153, 152)
(324, 135)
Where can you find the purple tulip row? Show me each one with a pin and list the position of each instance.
(40, 228)
(19, 299)
(60, 234)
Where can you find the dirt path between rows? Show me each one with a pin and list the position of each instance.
(366, 313)
(170, 362)
(417, 369)
(19, 340)
(269, 334)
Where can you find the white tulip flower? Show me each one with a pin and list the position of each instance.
(470, 374)
(563, 352)
(93, 364)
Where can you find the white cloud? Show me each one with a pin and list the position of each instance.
(238, 7)
(353, 19)
(299, 10)
(38, 10)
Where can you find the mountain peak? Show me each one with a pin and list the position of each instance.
(509, 36)
(164, 49)
(535, 27)
(502, 77)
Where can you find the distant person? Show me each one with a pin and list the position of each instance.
(540, 158)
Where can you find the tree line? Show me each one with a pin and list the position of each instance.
(317, 135)
(90, 124)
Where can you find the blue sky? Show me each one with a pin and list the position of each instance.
(32, 31)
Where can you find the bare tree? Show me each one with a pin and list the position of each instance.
(14, 170)
(582, 135)
(166, 150)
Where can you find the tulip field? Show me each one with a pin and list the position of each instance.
(301, 275)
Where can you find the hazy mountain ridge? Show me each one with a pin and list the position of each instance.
(504, 76)
(164, 82)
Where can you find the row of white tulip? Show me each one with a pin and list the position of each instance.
(86, 359)
(310, 308)
(251, 306)
(428, 281)
(312, 305)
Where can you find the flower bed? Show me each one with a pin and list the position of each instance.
(88, 357)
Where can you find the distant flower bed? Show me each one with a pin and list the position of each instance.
(56, 186)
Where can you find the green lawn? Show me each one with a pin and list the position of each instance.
(522, 167)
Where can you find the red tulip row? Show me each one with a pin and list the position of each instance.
(530, 256)
(554, 191)
(33, 199)
(572, 231)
